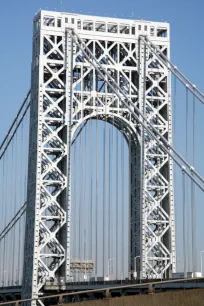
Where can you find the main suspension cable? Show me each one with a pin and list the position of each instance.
(13, 134)
(15, 120)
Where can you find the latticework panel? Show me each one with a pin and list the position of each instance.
(158, 219)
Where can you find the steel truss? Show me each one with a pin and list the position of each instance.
(113, 83)
(67, 91)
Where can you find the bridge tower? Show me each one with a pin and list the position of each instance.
(66, 91)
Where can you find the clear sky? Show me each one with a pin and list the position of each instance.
(187, 40)
(187, 45)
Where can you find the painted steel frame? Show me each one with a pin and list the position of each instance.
(67, 91)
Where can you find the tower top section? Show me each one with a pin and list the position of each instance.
(107, 26)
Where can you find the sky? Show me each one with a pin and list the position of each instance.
(187, 45)
(185, 17)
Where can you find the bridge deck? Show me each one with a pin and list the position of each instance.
(117, 289)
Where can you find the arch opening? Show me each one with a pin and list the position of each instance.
(103, 219)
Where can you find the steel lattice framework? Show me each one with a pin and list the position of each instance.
(66, 92)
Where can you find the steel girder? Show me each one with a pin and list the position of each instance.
(66, 92)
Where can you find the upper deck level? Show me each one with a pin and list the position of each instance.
(102, 26)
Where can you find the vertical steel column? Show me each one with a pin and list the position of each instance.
(30, 271)
(141, 97)
(68, 95)
(157, 211)
(171, 176)
(47, 236)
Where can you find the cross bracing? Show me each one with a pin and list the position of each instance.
(114, 71)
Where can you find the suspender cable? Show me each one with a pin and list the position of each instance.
(12, 208)
(104, 196)
(2, 219)
(109, 205)
(26, 137)
(19, 253)
(96, 261)
(82, 176)
(16, 270)
(130, 263)
(5, 221)
(23, 239)
(112, 206)
(163, 143)
(187, 202)
(117, 206)
(80, 201)
(91, 188)
(193, 206)
(88, 199)
(21, 201)
(85, 200)
(15, 203)
(122, 199)
(110, 223)
(184, 223)
(75, 206)
(73, 212)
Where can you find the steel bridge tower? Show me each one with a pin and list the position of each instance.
(67, 91)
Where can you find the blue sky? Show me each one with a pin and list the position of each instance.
(187, 45)
(187, 40)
